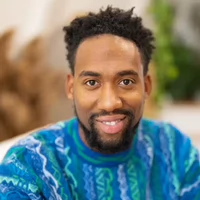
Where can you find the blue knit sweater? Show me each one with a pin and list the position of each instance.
(54, 164)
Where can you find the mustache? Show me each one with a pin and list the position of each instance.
(115, 112)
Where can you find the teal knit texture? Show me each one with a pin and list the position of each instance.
(54, 164)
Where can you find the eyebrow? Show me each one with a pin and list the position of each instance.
(127, 72)
(89, 73)
(96, 74)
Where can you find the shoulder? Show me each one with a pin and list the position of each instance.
(28, 164)
(156, 128)
(46, 137)
(164, 137)
(170, 142)
(149, 124)
(39, 148)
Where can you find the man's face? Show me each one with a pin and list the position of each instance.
(109, 90)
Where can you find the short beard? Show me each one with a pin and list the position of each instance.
(95, 141)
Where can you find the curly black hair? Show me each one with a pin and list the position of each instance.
(109, 21)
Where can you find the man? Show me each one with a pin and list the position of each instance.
(108, 151)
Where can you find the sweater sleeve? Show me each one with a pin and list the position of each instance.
(30, 170)
(187, 159)
(190, 186)
(17, 178)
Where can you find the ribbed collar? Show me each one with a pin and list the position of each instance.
(96, 158)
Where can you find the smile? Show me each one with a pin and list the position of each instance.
(111, 123)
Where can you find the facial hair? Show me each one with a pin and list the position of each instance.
(94, 140)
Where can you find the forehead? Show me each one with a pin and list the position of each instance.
(106, 50)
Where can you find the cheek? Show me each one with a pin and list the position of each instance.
(136, 101)
(134, 98)
(139, 107)
(84, 102)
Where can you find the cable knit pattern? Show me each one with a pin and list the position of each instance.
(53, 164)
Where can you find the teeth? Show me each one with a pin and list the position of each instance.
(111, 123)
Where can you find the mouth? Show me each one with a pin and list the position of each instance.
(111, 124)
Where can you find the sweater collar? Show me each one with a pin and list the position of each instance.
(93, 157)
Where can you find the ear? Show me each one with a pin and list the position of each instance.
(147, 85)
(69, 86)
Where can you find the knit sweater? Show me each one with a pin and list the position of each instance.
(53, 163)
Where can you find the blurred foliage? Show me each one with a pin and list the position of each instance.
(28, 87)
(177, 66)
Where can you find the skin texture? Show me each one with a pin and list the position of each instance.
(108, 77)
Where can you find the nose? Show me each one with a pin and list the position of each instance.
(109, 100)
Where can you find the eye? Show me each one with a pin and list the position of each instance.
(126, 82)
(91, 83)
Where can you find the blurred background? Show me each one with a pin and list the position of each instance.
(33, 64)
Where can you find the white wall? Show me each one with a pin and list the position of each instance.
(26, 16)
(36, 17)
(33, 18)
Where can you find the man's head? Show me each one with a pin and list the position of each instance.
(109, 53)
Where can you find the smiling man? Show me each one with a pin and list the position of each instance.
(108, 88)
(108, 151)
